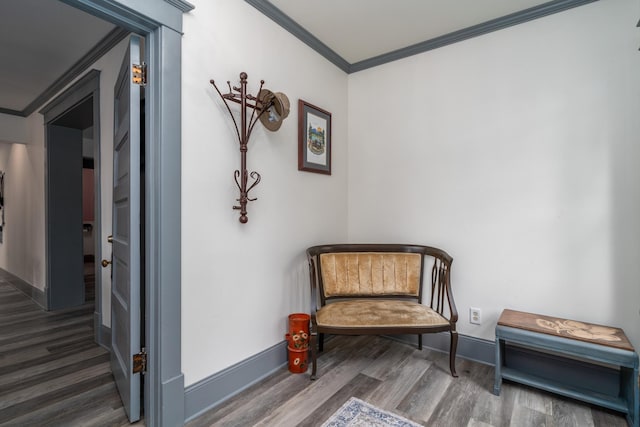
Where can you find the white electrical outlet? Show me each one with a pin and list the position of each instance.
(475, 316)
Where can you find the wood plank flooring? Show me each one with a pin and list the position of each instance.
(399, 378)
(51, 371)
(53, 374)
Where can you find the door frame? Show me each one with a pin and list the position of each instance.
(160, 23)
(85, 87)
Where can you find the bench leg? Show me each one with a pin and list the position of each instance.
(635, 399)
(419, 341)
(452, 353)
(497, 385)
(313, 343)
(629, 393)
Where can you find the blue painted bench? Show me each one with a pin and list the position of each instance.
(592, 344)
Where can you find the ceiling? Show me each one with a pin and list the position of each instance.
(360, 34)
(42, 40)
(39, 38)
(367, 28)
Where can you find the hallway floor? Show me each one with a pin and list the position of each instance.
(51, 371)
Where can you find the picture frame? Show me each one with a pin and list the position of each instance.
(314, 138)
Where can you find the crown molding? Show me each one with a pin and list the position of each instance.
(182, 5)
(11, 112)
(272, 12)
(99, 50)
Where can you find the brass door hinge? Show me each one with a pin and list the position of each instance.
(139, 72)
(140, 362)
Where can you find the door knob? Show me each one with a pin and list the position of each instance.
(105, 263)
(110, 238)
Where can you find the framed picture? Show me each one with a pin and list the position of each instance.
(314, 139)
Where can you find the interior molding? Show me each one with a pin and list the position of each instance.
(37, 295)
(11, 112)
(85, 86)
(182, 5)
(272, 12)
(503, 22)
(113, 11)
(104, 333)
(269, 10)
(471, 348)
(219, 387)
(135, 15)
(98, 51)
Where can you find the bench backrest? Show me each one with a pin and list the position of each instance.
(370, 273)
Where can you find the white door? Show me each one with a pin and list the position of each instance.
(125, 285)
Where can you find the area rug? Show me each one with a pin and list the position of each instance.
(357, 413)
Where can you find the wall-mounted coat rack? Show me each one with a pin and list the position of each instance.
(268, 107)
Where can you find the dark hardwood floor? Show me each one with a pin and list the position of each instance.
(401, 379)
(51, 371)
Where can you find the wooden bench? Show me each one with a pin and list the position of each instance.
(359, 289)
(596, 346)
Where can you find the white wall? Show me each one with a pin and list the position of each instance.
(240, 281)
(22, 249)
(5, 152)
(517, 153)
(13, 129)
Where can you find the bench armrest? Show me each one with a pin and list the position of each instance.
(313, 276)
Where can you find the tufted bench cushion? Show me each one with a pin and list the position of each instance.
(370, 273)
(368, 313)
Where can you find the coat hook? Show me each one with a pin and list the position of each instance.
(260, 105)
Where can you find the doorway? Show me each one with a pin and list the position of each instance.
(72, 141)
(160, 22)
(71, 207)
(72, 121)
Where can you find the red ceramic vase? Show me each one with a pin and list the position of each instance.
(298, 342)
(298, 360)
(299, 330)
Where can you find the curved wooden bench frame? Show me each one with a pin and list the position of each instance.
(440, 299)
